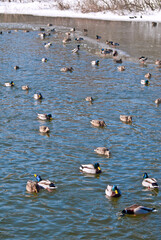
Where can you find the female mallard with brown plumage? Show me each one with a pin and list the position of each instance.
(102, 151)
(126, 119)
(98, 123)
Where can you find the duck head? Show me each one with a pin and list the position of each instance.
(38, 178)
(145, 175)
(115, 189)
(49, 116)
(97, 167)
(12, 83)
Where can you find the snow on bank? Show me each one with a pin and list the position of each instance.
(50, 9)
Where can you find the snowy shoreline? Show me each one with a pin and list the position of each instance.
(47, 10)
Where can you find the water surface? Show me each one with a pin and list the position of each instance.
(78, 209)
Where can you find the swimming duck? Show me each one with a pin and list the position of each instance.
(158, 100)
(126, 119)
(44, 116)
(102, 151)
(44, 59)
(44, 184)
(49, 24)
(121, 68)
(142, 59)
(117, 60)
(79, 39)
(158, 63)
(149, 182)
(25, 88)
(154, 24)
(144, 82)
(109, 42)
(66, 40)
(148, 75)
(76, 50)
(42, 35)
(98, 37)
(66, 69)
(137, 209)
(112, 191)
(44, 129)
(16, 67)
(115, 44)
(90, 168)
(89, 99)
(72, 29)
(95, 63)
(38, 96)
(11, 84)
(98, 123)
(115, 53)
(47, 45)
(32, 187)
(106, 51)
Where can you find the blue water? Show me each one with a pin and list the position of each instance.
(78, 208)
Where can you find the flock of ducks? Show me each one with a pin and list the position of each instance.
(111, 190)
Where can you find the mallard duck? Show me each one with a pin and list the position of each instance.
(72, 29)
(44, 184)
(90, 168)
(44, 116)
(49, 24)
(16, 67)
(66, 69)
(143, 59)
(95, 63)
(76, 50)
(89, 99)
(98, 123)
(25, 88)
(121, 68)
(158, 100)
(117, 60)
(102, 151)
(79, 39)
(154, 24)
(44, 129)
(144, 82)
(149, 182)
(112, 191)
(115, 53)
(32, 187)
(42, 35)
(44, 59)
(47, 45)
(137, 209)
(38, 96)
(158, 62)
(115, 44)
(126, 119)
(66, 40)
(148, 75)
(109, 42)
(106, 51)
(11, 84)
(42, 29)
(98, 37)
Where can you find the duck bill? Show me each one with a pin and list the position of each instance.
(116, 191)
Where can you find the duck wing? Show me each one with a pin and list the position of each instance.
(46, 184)
(89, 166)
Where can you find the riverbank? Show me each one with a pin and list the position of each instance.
(48, 10)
